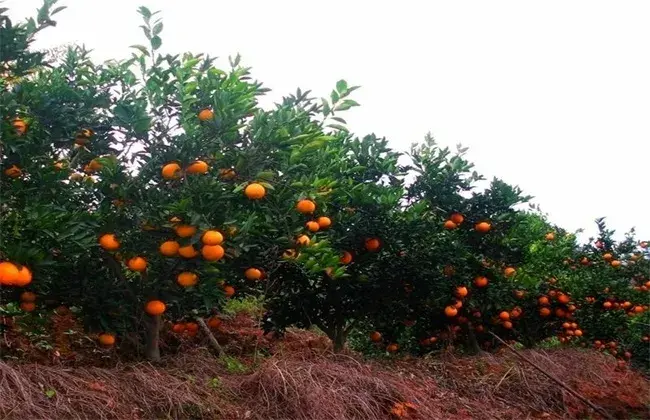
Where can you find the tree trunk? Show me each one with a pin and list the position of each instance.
(339, 338)
(152, 351)
(473, 347)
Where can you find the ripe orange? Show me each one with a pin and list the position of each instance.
(458, 304)
(507, 325)
(197, 167)
(206, 114)
(229, 291)
(480, 281)
(572, 308)
(566, 325)
(607, 305)
(306, 206)
(187, 251)
(578, 333)
(109, 242)
(155, 307)
(106, 340)
(24, 277)
(626, 305)
(59, 166)
(9, 273)
(212, 237)
(255, 191)
(212, 252)
(504, 316)
(192, 328)
(449, 225)
(562, 298)
(178, 328)
(253, 273)
(312, 226)
(451, 311)
(608, 257)
(616, 263)
(185, 231)
(509, 272)
(137, 264)
(303, 240)
(171, 171)
(214, 322)
(479, 328)
(375, 336)
(372, 244)
(544, 311)
(542, 301)
(457, 218)
(28, 297)
(550, 236)
(516, 312)
(392, 348)
(187, 279)
(20, 126)
(346, 258)
(13, 171)
(227, 174)
(560, 313)
(169, 248)
(324, 222)
(28, 306)
(461, 292)
(483, 227)
(584, 261)
(638, 309)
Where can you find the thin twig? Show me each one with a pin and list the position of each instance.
(213, 341)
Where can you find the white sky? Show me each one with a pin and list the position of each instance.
(553, 96)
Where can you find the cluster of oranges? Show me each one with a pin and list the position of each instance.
(14, 274)
(173, 170)
(564, 309)
(612, 304)
(569, 331)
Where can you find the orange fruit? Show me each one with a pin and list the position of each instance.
(578, 333)
(178, 328)
(608, 257)
(212, 252)
(372, 244)
(20, 126)
(303, 240)
(480, 281)
(206, 114)
(312, 226)
(214, 322)
(28, 297)
(346, 258)
(543, 300)
(187, 251)
(451, 311)
(572, 308)
(24, 277)
(607, 305)
(483, 227)
(375, 336)
(392, 348)
(187, 279)
(229, 291)
(8, 273)
(324, 222)
(544, 312)
(253, 273)
(95, 165)
(638, 309)
(109, 242)
(306, 206)
(255, 191)
(504, 316)
(137, 264)
(616, 263)
(197, 167)
(13, 171)
(550, 236)
(212, 237)
(560, 313)
(106, 340)
(458, 304)
(27, 306)
(566, 325)
(457, 218)
(509, 272)
(185, 231)
(192, 327)
(584, 261)
(562, 298)
(171, 171)
(461, 292)
(227, 174)
(507, 325)
(449, 225)
(155, 307)
(169, 248)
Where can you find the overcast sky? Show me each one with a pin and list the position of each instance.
(553, 96)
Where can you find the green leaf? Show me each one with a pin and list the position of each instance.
(146, 13)
(158, 27)
(335, 97)
(156, 42)
(141, 48)
(326, 107)
(342, 86)
(339, 127)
